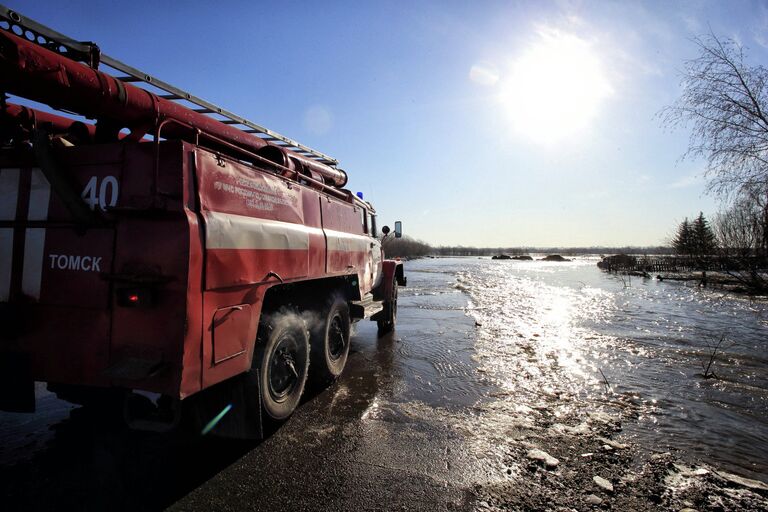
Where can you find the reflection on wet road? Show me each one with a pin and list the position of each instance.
(69, 459)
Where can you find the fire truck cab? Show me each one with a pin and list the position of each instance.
(179, 251)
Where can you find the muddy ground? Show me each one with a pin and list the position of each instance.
(384, 437)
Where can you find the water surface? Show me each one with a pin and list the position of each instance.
(567, 338)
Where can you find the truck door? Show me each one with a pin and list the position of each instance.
(349, 247)
(375, 244)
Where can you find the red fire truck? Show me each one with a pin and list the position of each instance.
(162, 244)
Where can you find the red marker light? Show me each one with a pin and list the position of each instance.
(135, 298)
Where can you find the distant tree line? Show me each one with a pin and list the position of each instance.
(405, 247)
(408, 247)
(567, 251)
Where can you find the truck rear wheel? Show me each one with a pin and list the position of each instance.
(283, 359)
(386, 322)
(330, 342)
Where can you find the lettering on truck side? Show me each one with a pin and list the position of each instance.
(72, 262)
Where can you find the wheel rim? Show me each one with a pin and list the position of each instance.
(337, 341)
(283, 368)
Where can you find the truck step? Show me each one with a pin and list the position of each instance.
(365, 308)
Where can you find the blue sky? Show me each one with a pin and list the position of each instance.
(475, 123)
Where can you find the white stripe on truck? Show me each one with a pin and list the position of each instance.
(346, 242)
(230, 231)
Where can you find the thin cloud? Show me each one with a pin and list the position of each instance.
(642, 179)
(318, 120)
(759, 32)
(687, 181)
(484, 73)
(692, 24)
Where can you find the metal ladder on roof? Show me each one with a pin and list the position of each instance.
(90, 54)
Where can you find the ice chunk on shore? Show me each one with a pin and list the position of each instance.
(754, 485)
(603, 483)
(613, 444)
(543, 457)
(593, 500)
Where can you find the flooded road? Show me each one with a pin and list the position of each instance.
(517, 385)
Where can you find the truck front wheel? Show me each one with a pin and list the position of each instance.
(388, 318)
(283, 357)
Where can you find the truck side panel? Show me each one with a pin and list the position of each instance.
(254, 224)
(262, 230)
(257, 232)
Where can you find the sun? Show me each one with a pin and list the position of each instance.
(555, 88)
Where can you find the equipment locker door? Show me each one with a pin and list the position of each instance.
(51, 268)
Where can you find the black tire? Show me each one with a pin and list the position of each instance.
(282, 357)
(386, 322)
(330, 342)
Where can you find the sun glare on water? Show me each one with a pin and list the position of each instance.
(555, 88)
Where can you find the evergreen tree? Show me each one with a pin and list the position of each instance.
(683, 242)
(702, 236)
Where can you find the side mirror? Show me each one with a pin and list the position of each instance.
(398, 229)
(385, 230)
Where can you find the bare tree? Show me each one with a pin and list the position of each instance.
(726, 102)
(738, 229)
(740, 232)
(713, 348)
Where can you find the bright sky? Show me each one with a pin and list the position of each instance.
(475, 123)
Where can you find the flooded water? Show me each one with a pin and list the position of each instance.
(565, 338)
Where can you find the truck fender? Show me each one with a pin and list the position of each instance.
(392, 271)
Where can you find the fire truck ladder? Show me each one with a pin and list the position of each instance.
(90, 54)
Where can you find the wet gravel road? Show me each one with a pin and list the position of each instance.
(354, 446)
(365, 443)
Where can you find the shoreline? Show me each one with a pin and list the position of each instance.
(715, 281)
(577, 462)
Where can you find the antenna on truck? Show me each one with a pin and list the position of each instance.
(90, 54)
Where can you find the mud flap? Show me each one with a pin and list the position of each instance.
(17, 389)
(230, 409)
